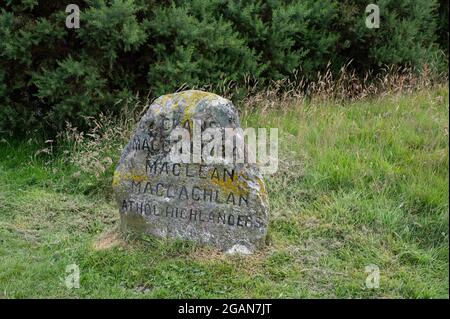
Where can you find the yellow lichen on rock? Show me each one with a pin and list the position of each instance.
(128, 176)
(191, 99)
(262, 188)
(228, 185)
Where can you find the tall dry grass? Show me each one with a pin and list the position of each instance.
(342, 87)
(94, 151)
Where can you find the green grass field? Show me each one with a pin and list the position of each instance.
(358, 184)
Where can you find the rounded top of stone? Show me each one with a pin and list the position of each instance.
(189, 98)
(190, 94)
(205, 105)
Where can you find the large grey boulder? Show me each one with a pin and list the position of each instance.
(223, 204)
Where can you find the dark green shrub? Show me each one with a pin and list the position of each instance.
(443, 25)
(50, 74)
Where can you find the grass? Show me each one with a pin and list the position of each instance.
(359, 183)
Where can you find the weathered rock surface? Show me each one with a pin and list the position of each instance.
(222, 204)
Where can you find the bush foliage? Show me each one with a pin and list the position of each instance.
(50, 74)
